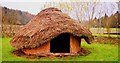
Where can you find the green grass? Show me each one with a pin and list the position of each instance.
(0, 50)
(99, 52)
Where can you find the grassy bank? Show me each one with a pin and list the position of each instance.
(99, 52)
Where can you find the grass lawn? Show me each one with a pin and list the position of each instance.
(0, 49)
(99, 52)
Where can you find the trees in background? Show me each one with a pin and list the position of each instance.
(87, 11)
(12, 17)
(107, 21)
(15, 17)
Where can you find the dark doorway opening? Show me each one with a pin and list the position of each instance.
(60, 44)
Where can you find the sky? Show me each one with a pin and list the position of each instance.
(31, 7)
(36, 6)
(60, 0)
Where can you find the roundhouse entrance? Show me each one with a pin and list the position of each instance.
(60, 44)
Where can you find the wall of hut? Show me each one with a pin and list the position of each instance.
(75, 46)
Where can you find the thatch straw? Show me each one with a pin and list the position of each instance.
(46, 25)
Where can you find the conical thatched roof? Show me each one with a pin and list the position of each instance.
(46, 25)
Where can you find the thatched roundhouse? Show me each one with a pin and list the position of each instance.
(51, 31)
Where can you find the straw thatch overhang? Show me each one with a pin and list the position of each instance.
(46, 25)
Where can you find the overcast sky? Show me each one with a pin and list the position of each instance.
(60, 0)
(31, 7)
(35, 6)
